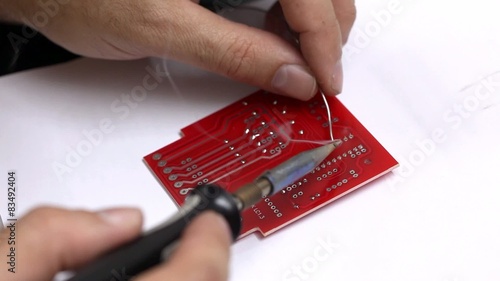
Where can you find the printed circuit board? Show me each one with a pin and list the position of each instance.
(240, 142)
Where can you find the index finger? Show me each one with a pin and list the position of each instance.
(320, 39)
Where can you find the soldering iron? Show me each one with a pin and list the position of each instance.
(157, 245)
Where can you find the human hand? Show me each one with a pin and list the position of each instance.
(320, 29)
(49, 240)
(182, 30)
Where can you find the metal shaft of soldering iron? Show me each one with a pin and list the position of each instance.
(286, 173)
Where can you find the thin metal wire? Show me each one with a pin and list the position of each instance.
(329, 115)
(176, 89)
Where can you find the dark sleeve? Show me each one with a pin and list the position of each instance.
(217, 5)
(23, 48)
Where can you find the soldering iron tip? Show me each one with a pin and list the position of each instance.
(330, 147)
(336, 143)
(319, 154)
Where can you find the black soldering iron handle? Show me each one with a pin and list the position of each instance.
(152, 248)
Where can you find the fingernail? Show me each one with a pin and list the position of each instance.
(337, 78)
(122, 217)
(294, 81)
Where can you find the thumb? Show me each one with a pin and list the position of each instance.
(49, 240)
(234, 50)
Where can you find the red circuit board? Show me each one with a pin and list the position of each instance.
(238, 143)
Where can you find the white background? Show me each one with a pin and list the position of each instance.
(437, 218)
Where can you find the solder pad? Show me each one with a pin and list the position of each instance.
(238, 143)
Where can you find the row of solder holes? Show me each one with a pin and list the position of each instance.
(273, 207)
(329, 173)
(269, 139)
(179, 184)
(344, 181)
(277, 149)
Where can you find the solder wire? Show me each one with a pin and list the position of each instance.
(169, 77)
(329, 115)
(330, 125)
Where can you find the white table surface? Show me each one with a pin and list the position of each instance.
(425, 81)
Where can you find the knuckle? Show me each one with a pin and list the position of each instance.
(42, 223)
(44, 218)
(43, 213)
(238, 59)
